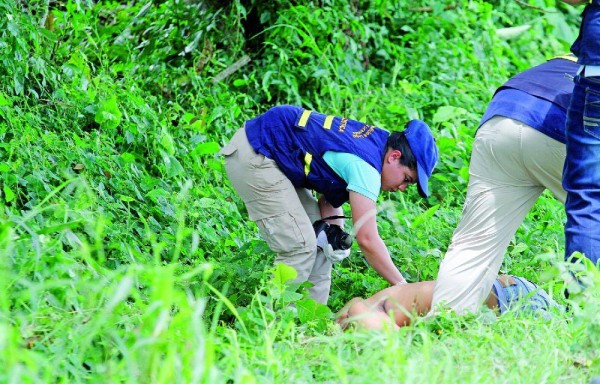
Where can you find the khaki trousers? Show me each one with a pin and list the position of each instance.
(284, 214)
(510, 167)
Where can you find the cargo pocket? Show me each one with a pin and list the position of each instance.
(591, 113)
(228, 149)
(282, 233)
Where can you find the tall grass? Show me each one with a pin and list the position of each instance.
(125, 256)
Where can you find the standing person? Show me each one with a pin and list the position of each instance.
(278, 157)
(518, 152)
(582, 167)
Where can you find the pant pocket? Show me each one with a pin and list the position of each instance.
(228, 149)
(591, 113)
(282, 233)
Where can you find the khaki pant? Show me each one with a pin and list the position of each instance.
(284, 214)
(511, 165)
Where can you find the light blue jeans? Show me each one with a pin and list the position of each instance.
(525, 297)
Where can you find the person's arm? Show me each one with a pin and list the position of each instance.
(367, 237)
(327, 210)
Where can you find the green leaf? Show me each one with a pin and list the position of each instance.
(4, 101)
(122, 291)
(128, 157)
(9, 195)
(156, 194)
(464, 173)
(59, 227)
(166, 140)
(207, 202)
(48, 34)
(198, 125)
(412, 113)
(108, 114)
(447, 112)
(187, 117)
(310, 310)
(425, 216)
(283, 273)
(228, 304)
(321, 73)
(13, 28)
(290, 296)
(172, 165)
(18, 83)
(519, 248)
(206, 148)
(562, 30)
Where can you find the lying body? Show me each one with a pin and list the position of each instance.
(398, 305)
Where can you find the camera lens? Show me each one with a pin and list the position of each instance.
(345, 241)
(338, 238)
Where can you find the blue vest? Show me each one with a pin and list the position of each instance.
(296, 140)
(548, 81)
(538, 97)
(587, 45)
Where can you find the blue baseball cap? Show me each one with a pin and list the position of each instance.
(422, 144)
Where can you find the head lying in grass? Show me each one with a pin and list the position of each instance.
(396, 306)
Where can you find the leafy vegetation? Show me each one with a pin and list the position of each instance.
(126, 255)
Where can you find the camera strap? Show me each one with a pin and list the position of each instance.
(334, 217)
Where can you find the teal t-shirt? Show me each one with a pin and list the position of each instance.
(360, 176)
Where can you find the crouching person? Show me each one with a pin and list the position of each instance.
(279, 157)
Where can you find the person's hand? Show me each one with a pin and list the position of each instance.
(401, 282)
(337, 255)
(330, 254)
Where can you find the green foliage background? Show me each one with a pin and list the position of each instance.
(127, 257)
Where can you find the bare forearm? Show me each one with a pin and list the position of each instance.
(369, 241)
(378, 257)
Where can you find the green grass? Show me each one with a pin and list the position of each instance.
(125, 255)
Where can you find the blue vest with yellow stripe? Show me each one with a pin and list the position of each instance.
(296, 140)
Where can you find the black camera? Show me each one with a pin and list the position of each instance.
(335, 234)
